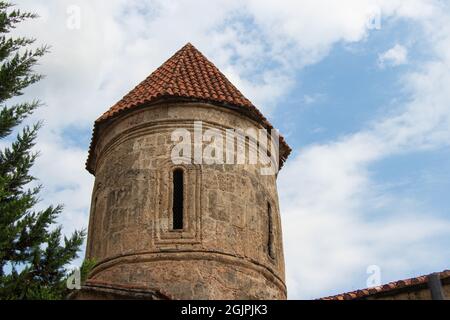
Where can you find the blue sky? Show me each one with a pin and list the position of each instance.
(348, 91)
(365, 109)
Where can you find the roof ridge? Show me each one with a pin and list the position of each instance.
(179, 62)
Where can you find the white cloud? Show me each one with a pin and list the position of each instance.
(330, 201)
(395, 56)
(310, 99)
(326, 191)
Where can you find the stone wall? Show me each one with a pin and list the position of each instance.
(223, 251)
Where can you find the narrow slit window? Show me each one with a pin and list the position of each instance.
(178, 199)
(270, 248)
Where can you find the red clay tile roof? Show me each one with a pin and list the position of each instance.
(387, 288)
(186, 75)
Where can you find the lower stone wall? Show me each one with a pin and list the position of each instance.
(203, 276)
(102, 291)
(230, 246)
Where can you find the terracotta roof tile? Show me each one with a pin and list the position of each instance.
(361, 294)
(188, 74)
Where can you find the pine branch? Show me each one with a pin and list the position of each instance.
(16, 73)
(16, 162)
(9, 45)
(13, 116)
(9, 20)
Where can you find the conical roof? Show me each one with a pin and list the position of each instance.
(187, 75)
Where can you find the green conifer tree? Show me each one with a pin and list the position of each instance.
(33, 255)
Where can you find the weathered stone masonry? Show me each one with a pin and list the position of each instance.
(229, 245)
(222, 253)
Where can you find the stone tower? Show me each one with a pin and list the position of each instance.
(165, 230)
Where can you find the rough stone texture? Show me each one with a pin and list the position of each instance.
(104, 291)
(223, 251)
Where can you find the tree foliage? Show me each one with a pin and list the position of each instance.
(33, 252)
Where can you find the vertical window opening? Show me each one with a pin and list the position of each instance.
(270, 248)
(178, 199)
